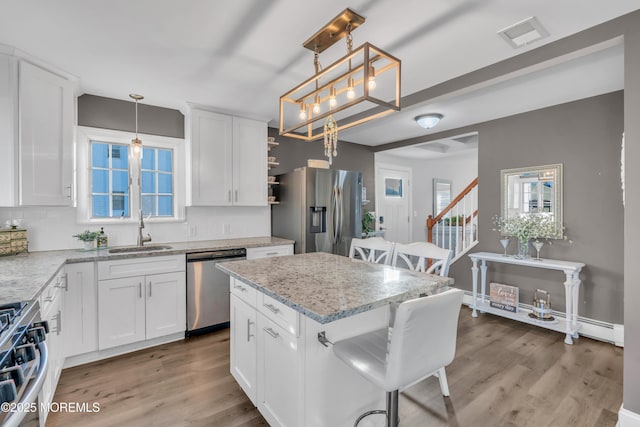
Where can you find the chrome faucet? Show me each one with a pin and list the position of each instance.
(141, 239)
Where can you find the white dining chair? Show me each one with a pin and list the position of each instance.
(420, 252)
(374, 249)
(420, 345)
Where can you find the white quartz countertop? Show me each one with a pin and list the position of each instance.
(22, 277)
(328, 287)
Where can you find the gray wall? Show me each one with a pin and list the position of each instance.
(107, 113)
(294, 153)
(585, 137)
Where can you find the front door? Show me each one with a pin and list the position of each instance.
(393, 200)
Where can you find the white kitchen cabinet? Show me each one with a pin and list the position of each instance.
(269, 251)
(80, 309)
(36, 123)
(279, 373)
(243, 346)
(133, 308)
(228, 160)
(52, 306)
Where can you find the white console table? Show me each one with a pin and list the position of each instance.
(571, 287)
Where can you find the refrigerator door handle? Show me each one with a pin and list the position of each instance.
(334, 214)
(340, 213)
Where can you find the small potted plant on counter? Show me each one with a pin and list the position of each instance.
(88, 238)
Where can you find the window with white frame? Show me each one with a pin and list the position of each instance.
(117, 185)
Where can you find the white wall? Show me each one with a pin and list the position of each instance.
(461, 169)
(51, 228)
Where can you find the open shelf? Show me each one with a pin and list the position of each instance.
(271, 144)
(272, 183)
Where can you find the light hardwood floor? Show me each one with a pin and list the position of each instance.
(505, 374)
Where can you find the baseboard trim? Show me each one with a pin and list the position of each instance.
(627, 418)
(596, 329)
(94, 356)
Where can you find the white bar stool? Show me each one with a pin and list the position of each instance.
(421, 344)
(374, 249)
(423, 251)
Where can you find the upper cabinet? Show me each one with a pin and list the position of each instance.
(36, 120)
(228, 160)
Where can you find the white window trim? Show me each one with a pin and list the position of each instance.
(84, 136)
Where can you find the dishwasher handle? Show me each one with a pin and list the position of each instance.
(216, 255)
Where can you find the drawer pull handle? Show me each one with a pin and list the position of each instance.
(271, 253)
(271, 332)
(150, 287)
(242, 288)
(272, 308)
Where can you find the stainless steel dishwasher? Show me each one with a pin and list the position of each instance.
(208, 290)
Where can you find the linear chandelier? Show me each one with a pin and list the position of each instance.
(362, 85)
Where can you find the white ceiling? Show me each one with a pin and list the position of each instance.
(240, 56)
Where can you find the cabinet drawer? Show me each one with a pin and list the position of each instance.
(243, 291)
(269, 251)
(284, 316)
(140, 266)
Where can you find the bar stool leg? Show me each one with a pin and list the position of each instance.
(392, 409)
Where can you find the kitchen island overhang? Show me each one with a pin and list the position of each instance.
(280, 305)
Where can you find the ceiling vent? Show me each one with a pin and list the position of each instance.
(523, 33)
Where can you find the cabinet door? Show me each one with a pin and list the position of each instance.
(166, 304)
(46, 140)
(211, 159)
(53, 315)
(8, 130)
(278, 375)
(249, 162)
(80, 309)
(121, 311)
(243, 346)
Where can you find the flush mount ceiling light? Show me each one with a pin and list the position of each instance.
(136, 143)
(361, 86)
(428, 121)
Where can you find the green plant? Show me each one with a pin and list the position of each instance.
(454, 220)
(368, 222)
(87, 236)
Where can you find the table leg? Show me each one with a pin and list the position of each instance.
(483, 274)
(568, 296)
(576, 299)
(474, 278)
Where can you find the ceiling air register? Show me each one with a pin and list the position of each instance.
(362, 85)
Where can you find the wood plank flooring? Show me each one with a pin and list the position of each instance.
(505, 373)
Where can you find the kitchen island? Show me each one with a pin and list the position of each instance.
(278, 308)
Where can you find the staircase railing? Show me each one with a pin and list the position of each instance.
(456, 226)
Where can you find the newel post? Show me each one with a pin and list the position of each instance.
(430, 222)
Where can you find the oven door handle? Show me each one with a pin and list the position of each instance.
(15, 418)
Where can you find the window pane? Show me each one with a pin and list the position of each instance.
(149, 205)
(99, 155)
(148, 182)
(164, 160)
(165, 185)
(165, 205)
(100, 206)
(100, 181)
(119, 157)
(120, 182)
(149, 158)
(120, 205)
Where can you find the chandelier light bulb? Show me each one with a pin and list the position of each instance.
(372, 78)
(351, 90)
(316, 104)
(332, 97)
(303, 111)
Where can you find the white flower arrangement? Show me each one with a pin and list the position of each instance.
(527, 226)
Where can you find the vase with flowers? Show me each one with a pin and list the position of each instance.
(524, 228)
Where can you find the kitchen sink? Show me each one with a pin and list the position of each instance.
(127, 249)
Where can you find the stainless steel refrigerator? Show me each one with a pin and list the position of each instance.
(321, 209)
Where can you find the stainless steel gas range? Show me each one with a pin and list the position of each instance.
(23, 362)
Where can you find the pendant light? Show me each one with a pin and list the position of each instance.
(136, 144)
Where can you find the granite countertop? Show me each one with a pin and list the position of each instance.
(328, 287)
(22, 277)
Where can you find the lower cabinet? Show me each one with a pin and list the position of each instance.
(80, 309)
(265, 356)
(133, 309)
(278, 374)
(52, 303)
(269, 251)
(243, 346)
